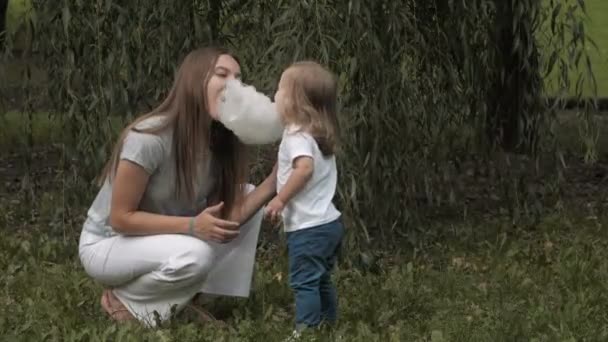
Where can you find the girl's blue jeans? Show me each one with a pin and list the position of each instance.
(312, 256)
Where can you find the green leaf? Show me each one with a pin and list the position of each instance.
(556, 11)
(551, 64)
(66, 17)
(437, 336)
(581, 3)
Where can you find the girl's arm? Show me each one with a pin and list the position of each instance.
(303, 168)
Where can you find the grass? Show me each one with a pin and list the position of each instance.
(486, 281)
(596, 28)
(45, 129)
(489, 282)
(16, 11)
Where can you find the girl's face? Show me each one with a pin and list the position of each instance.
(226, 68)
(280, 97)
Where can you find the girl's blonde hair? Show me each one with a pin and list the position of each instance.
(194, 132)
(312, 103)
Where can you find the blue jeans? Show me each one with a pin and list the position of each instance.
(312, 256)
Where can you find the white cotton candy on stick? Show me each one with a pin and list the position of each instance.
(251, 115)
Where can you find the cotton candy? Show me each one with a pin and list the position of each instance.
(251, 115)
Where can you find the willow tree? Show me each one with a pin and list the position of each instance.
(516, 88)
(503, 50)
(3, 10)
(422, 83)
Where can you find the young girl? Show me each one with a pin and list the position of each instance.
(306, 183)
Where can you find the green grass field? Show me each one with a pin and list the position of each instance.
(44, 130)
(492, 280)
(486, 282)
(16, 11)
(597, 29)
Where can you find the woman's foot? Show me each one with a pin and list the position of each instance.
(203, 316)
(114, 307)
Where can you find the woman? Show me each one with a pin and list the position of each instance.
(175, 216)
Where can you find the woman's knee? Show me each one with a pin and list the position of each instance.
(193, 260)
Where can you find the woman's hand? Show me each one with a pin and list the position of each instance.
(207, 226)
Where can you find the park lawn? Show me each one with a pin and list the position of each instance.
(596, 26)
(598, 30)
(46, 129)
(464, 282)
(14, 135)
(15, 12)
(489, 281)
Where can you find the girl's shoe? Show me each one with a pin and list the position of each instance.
(295, 335)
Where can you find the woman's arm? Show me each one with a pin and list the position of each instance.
(129, 185)
(256, 199)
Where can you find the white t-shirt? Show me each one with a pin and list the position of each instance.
(311, 206)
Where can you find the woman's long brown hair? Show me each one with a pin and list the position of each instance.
(194, 133)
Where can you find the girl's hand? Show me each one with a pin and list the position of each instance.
(274, 209)
(207, 226)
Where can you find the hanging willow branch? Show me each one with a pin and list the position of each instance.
(422, 83)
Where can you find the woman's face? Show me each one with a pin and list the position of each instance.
(226, 68)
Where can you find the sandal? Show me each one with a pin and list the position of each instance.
(205, 316)
(118, 314)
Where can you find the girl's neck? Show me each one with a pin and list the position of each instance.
(293, 126)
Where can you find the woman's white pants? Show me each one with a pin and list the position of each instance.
(154, 273)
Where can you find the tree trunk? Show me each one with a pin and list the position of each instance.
(213, 18)
(3, 10)
(514, 94)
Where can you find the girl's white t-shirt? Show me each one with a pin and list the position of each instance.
(311, 206)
